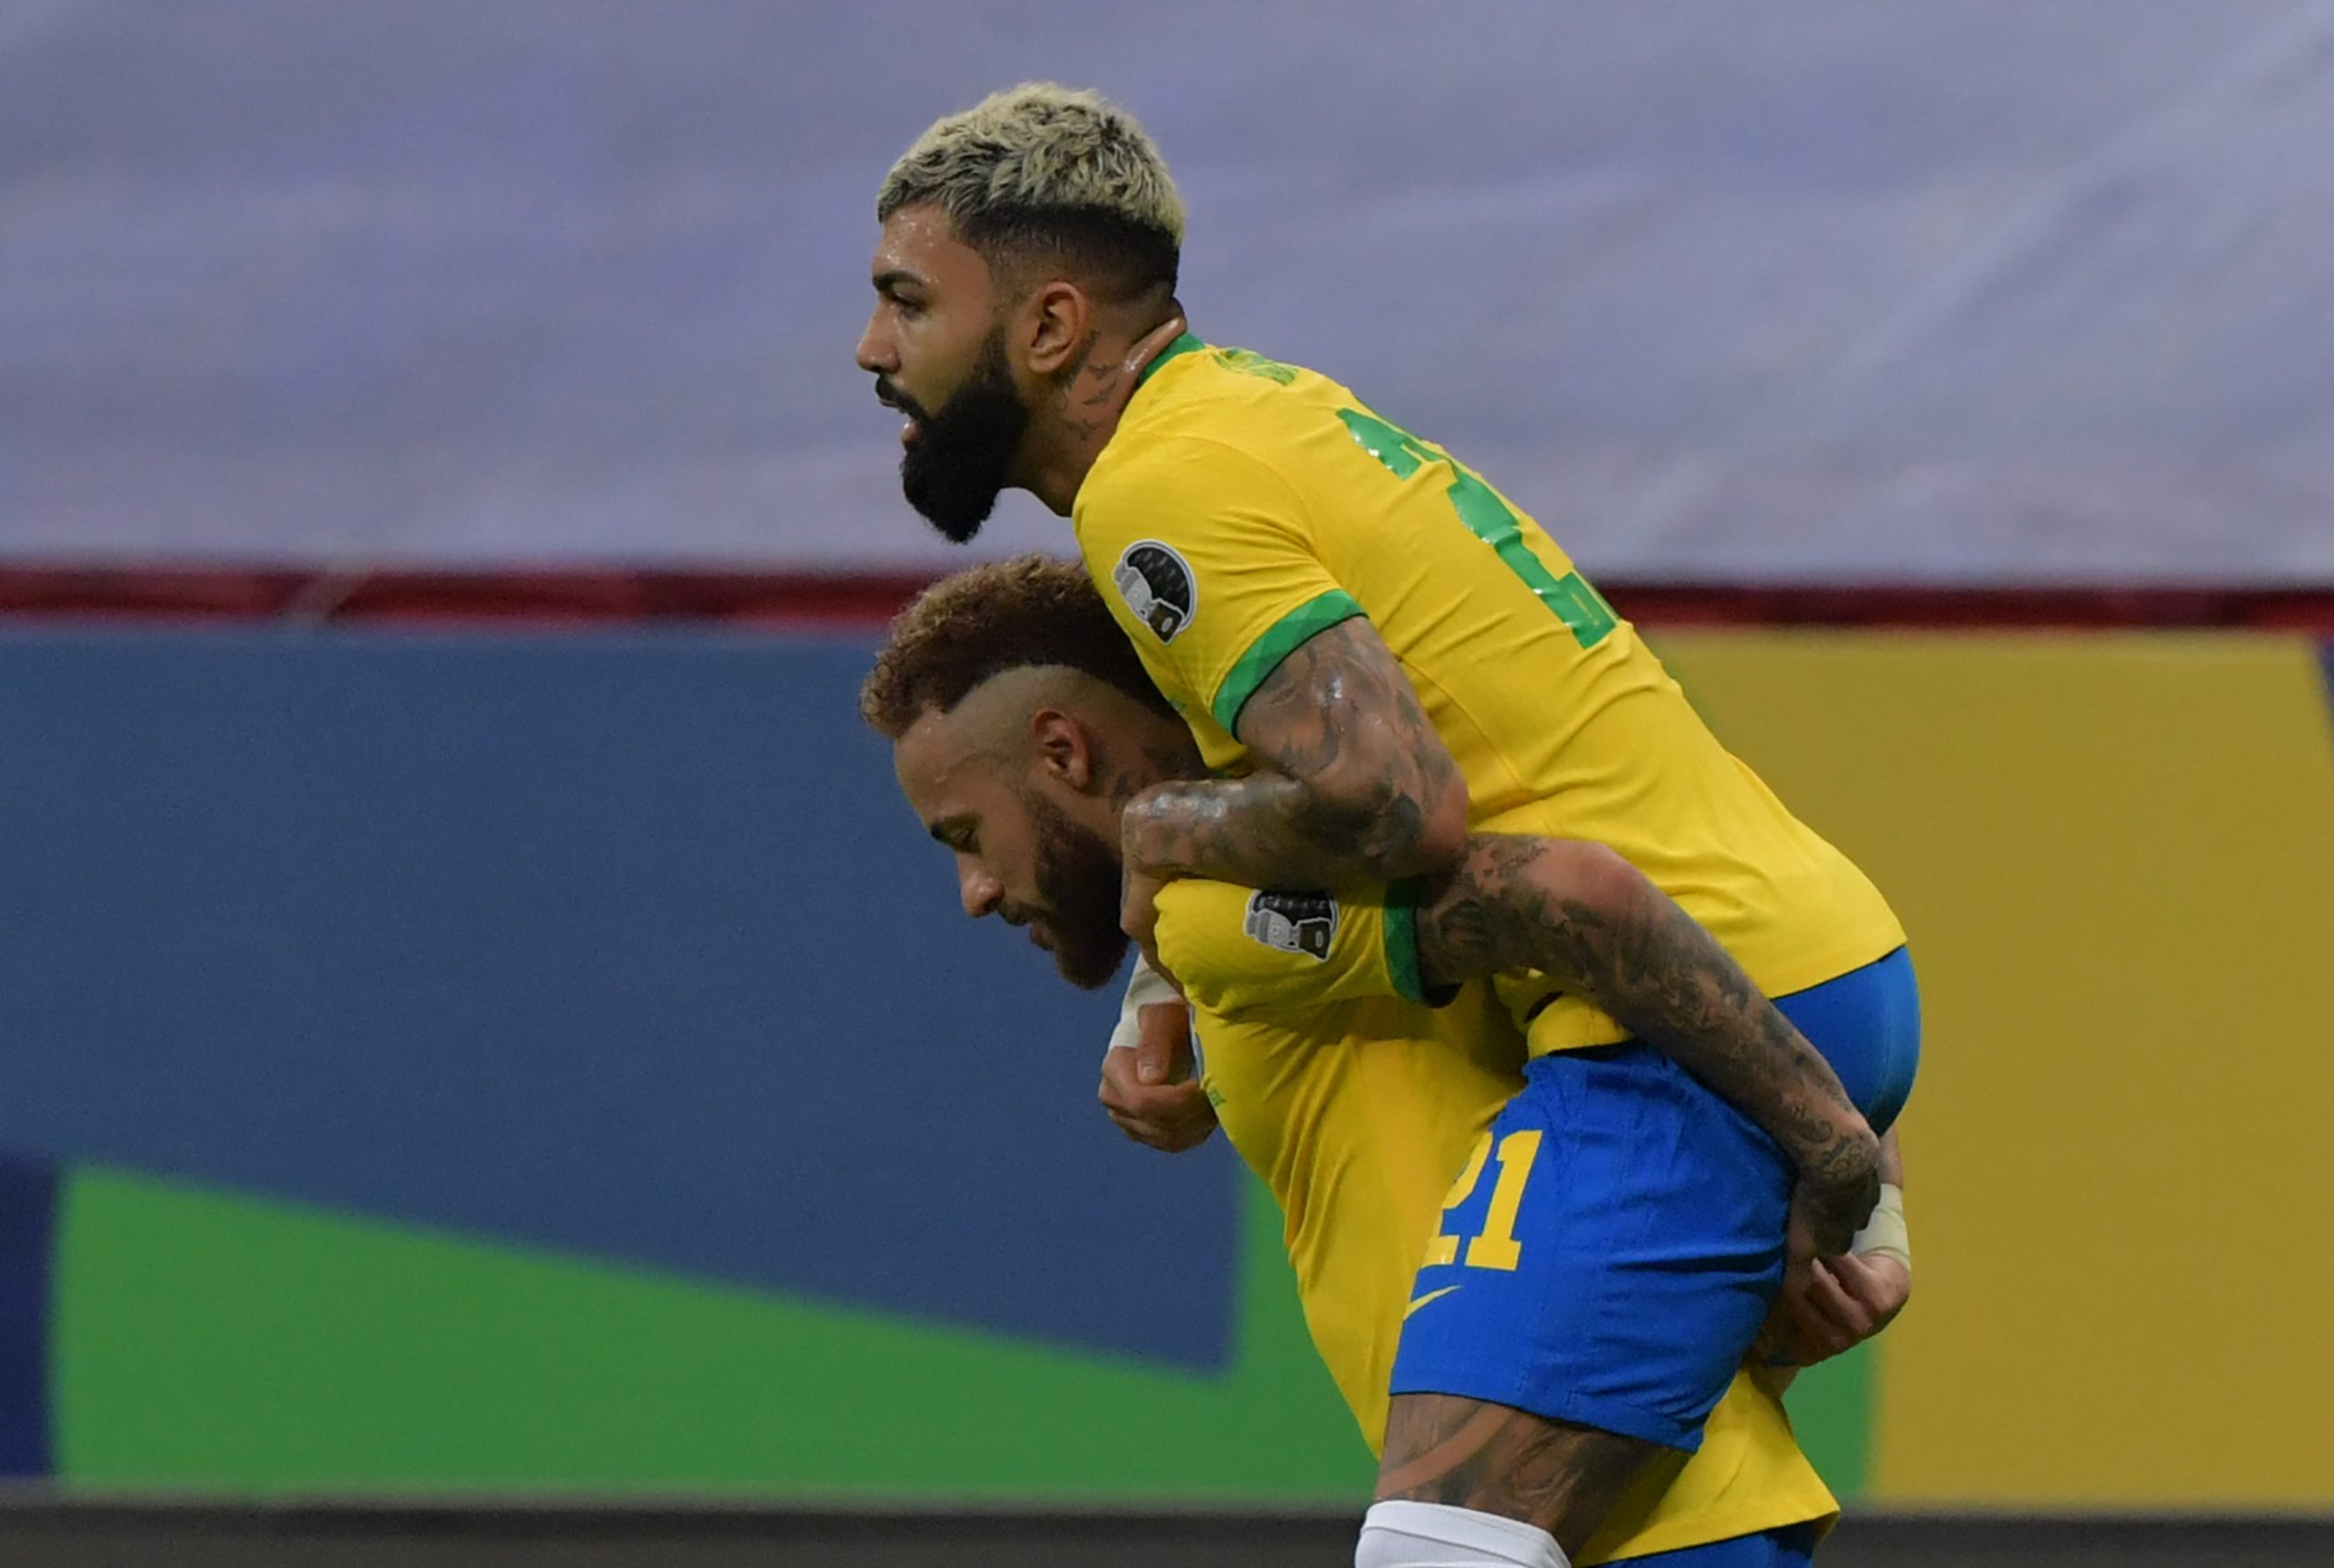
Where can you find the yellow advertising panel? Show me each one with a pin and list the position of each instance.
(2115, 856)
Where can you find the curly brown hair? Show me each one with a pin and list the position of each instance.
(973, 625)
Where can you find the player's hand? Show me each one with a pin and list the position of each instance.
(1830, 1203)
(1148, 1088)
(1835, 1305)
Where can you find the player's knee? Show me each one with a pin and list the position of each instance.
(1436, 1535)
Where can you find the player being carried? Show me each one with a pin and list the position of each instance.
(1389, 657)
(1022, 724)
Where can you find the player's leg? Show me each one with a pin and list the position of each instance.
(1449, 1457)
(1603, 1263)
(1411, 1534)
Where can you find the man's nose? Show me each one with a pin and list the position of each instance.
(875, 355)
(981, 891)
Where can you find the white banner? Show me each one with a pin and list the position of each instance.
(1844, 290)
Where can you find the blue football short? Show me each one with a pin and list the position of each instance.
(1622, 1240)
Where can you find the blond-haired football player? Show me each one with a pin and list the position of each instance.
(1388, 657)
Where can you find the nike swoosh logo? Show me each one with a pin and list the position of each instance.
(1417, 1302)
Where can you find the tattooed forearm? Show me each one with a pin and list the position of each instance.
(1354, 784)
(1581, 915)
(1265, 831)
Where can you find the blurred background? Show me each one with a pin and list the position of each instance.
(477, 1024)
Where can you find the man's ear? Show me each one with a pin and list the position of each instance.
(1055, 321)
(1066, 752)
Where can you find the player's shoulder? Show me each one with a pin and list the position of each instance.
(1219, 441)
(1182, 454)
(1196, 492)
(1239, 950)
(1211, 412)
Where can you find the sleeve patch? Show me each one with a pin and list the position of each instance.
(1158, 586)
(1301, 922)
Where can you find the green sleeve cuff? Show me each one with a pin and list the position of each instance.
(1402, 947)
(1279, 640)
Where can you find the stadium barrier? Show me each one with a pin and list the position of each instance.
(305, 927)
(179, 1535)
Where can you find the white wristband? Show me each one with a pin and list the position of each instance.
(1883, 1235)
(1145, 987)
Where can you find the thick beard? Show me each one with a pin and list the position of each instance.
(1077, 878)
(958, 462)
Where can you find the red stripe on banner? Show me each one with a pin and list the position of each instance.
(868, 599)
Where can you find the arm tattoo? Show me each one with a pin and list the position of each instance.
(1583, 916)
(1351, 771)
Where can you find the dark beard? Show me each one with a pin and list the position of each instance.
(1077, 878)
(957, 464)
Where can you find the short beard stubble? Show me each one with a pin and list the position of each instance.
(1079, 877)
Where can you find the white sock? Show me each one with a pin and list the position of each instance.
(1436, 1535)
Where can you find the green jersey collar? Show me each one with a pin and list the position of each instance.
(1187, 344)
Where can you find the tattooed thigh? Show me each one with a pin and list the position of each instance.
(1469, 1453)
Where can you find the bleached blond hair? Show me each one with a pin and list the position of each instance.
(1044, 165)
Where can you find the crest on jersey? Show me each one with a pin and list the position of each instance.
(1293, 922)
(1158, 586)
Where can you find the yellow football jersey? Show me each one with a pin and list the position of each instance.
(1243, 506)
(1357, 1107)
